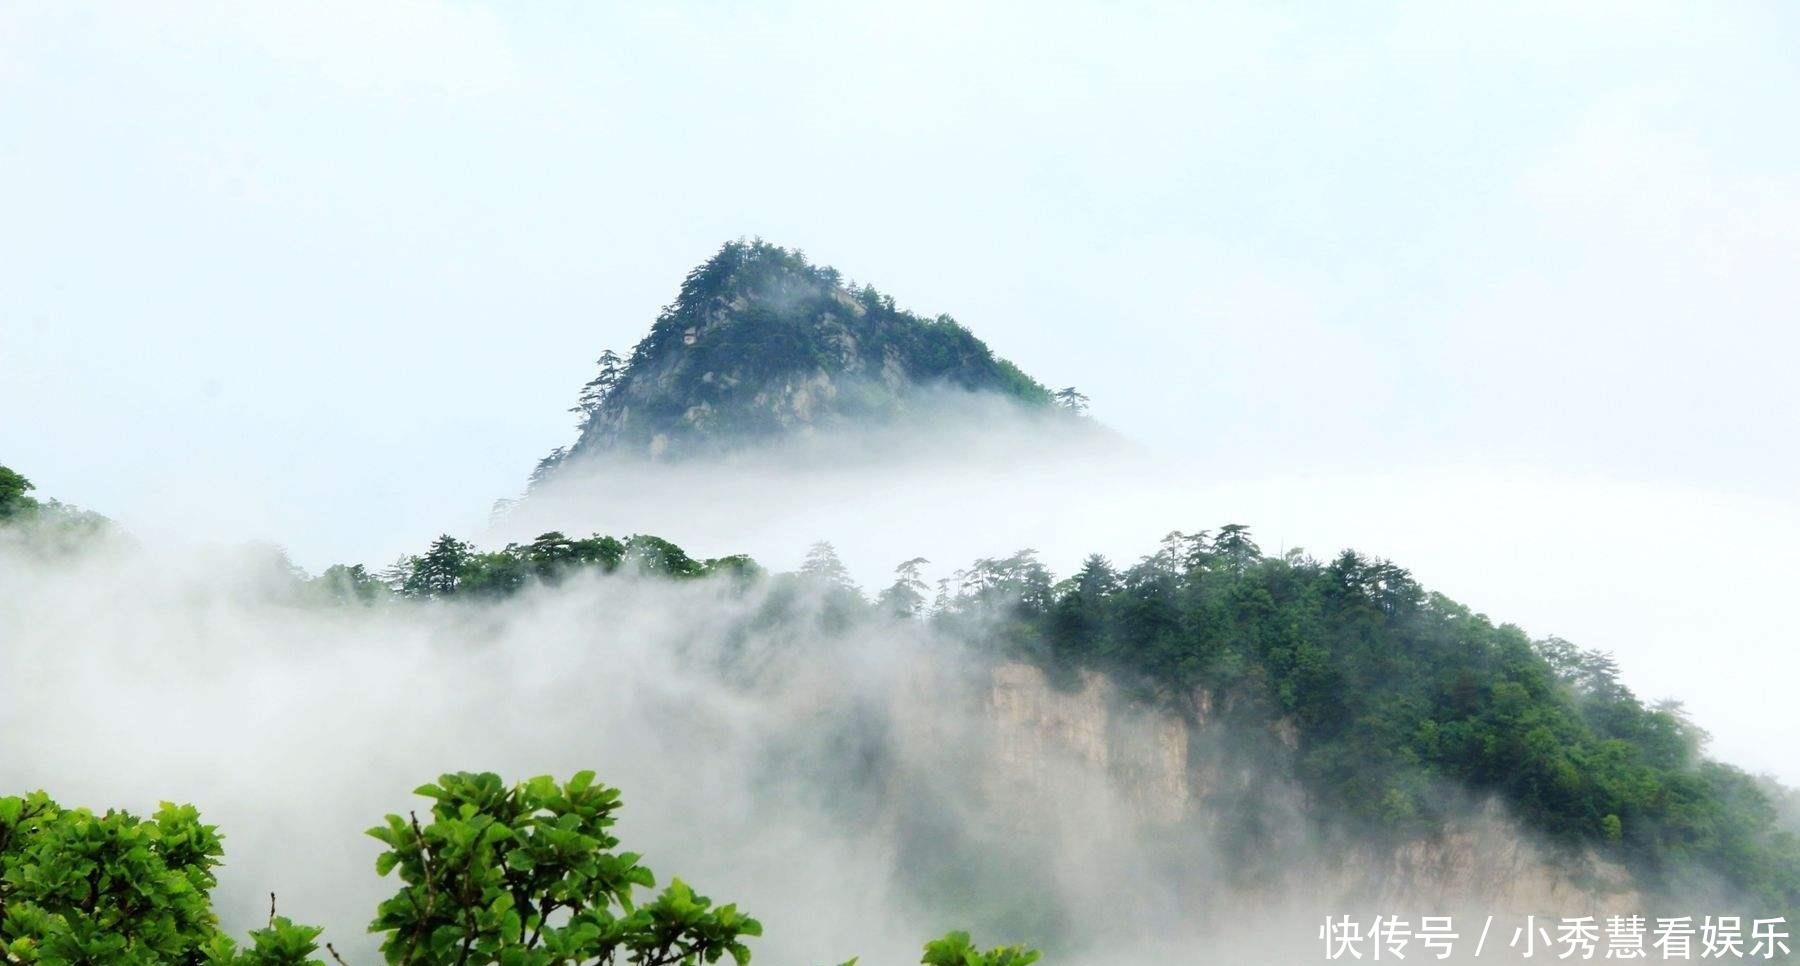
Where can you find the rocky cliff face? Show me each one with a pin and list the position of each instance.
(1145, 753)
(1179, 772)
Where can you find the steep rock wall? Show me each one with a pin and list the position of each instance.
(1175, 774)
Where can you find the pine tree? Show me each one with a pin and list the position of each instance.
(1068, 397)
(593, 395)
(440, 570)
(906, 596)
(547, 466)
(822, 565)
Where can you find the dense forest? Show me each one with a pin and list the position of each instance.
(1396, 693)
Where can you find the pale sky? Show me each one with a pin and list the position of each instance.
(330, 274)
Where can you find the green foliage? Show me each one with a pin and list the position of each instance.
(15, 494)
(1391, 694)
(528, 875)
(281, 943)
(593, 395)
(352, 584)
(439, 572)
(80, 888)
(905, 597)
(57, 527)
(956, 950)
(521, 875)
(453, 568)
(547, 467)
(658, 557)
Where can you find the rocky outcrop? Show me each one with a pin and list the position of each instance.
(761, 344)
(1175, 770)
(1143, 750)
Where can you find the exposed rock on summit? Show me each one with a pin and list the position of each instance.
(760, 343)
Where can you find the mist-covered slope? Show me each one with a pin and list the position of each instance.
(1098, 762)
(1394, 711)
(863, 769)
(854, 777)
(760, 343)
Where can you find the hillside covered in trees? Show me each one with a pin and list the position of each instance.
(760, 342)
(1403, 704)
(1399, 706)
(1398, 695)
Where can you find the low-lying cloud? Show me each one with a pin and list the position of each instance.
(847, 784)
(1653, 573)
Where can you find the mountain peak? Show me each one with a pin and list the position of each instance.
(759, 343)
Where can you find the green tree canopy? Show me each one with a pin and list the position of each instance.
(15, 493)
(528, 874)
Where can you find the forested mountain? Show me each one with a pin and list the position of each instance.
(1398, 704)
(1392, 693)
(759, 342)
